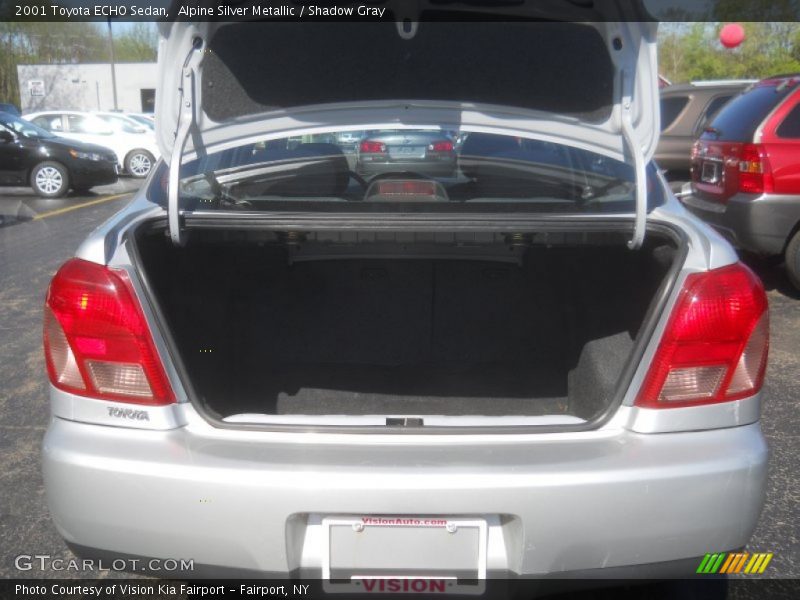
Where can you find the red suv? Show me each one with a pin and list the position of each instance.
(746, 171)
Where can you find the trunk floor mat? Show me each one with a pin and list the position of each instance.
(476, 389)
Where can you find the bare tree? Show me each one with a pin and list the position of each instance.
(67, 43)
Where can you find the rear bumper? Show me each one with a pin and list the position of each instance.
(682, 569)
(756, 223)
(555, 503)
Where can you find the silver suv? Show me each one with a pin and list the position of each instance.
(541, 364)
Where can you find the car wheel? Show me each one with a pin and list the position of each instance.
(139, 163)
(50, 179)
(793, 260)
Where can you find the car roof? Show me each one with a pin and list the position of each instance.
(103, 113)
(789, 79)
(59, 112)
(709, 87)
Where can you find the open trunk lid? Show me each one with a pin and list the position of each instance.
(580, 76)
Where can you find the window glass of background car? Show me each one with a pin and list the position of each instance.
(790, 127)
(738, 120)
(23, 127)
(670, 109)
(81, 124)
(712, 109)
(50, 123)
(122, 125)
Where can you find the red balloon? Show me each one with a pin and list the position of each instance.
(731, 35)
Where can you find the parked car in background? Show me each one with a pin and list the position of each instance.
(10, 109)
(51, 165)
(137, 152)
(685, 110)
(746, 171)
(429, 153)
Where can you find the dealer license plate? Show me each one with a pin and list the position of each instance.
(404, 555)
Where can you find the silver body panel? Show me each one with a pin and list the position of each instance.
(252, 500)
(649, 486)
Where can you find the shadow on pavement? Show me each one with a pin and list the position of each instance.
(773, 274)
(15, 214)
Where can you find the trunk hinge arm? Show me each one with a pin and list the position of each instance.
(627, 129)
(187, 121)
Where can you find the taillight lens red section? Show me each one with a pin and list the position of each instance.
(96, 340)
(714, 348)
(755, 176)
(441, 146)
(371, 147)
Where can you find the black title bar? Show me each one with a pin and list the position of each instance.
(400, 10)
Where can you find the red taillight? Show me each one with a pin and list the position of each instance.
(754, 171)
(371, 147)
(714, 348)
(96, 340)
(441, 146)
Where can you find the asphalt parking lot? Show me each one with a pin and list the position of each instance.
(36, 236)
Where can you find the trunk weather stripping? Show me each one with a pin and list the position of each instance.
(627, 378)
(187, 123)
(628, 134)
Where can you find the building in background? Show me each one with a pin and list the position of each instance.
(87, 86)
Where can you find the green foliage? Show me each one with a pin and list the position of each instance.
(692, 51)
(137, 44)
(75, 42)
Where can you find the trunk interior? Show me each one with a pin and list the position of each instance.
(403, 324)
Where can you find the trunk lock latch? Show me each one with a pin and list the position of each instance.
(405, 422)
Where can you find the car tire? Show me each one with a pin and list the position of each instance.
(793, 260)
(50, 179)
(139, 163)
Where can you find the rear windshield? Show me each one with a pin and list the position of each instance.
(408, 170)
(739, 119)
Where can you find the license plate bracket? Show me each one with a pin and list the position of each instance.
(404, 554)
